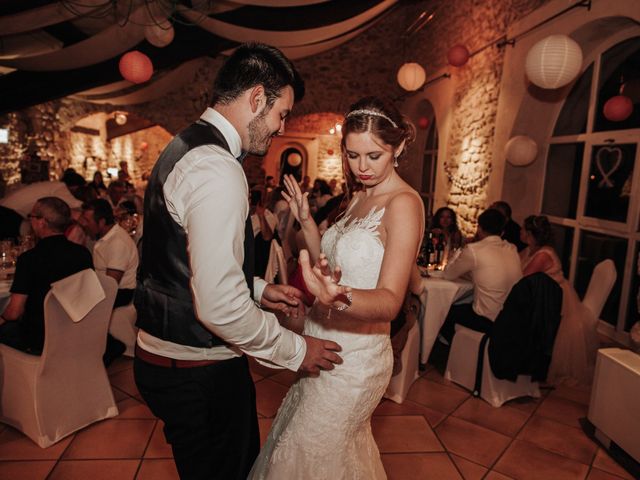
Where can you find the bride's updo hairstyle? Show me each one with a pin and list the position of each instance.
(380, 118)
(540, 229)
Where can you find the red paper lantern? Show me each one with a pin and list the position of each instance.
(458, 55)
(144, 145)
(618, 108)
(423, 123)
(136, 67)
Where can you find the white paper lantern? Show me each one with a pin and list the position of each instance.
(521, 150)
(159, 35)
(554, 61)
(294, 159)
(411, 76)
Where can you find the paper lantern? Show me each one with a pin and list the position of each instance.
(521, 150)
(411, 76)
(136, 67)
(618, 108)
(554, 61)
(159, 35)
(458, 55)
(423, 123)
(144, 145)
(294, 159)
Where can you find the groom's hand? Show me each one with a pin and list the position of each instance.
(320, 355)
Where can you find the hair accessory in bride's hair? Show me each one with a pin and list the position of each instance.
(372, 113)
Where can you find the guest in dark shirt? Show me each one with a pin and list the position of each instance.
(52, 259)
(511, 232)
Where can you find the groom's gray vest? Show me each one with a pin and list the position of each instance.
(163, 296)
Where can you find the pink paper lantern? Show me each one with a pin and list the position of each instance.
(136, 67)
(458, 55)
(618, 108)
(423, 123)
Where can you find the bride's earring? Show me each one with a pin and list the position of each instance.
(395, 162)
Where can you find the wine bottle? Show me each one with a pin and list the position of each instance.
(431, 250)
(440, 249)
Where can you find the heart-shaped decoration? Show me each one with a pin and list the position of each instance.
(608, 160)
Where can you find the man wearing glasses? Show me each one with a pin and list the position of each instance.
(52, 259)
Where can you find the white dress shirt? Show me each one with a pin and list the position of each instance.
(117, 251)
(494, 265)
(207, 195)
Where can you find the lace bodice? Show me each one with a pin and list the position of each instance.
(355, 246)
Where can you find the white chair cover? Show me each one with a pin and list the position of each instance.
(66, 388)
(123, 327)
(277, 265)
(401, 382)
(461, 369)
(600, 285)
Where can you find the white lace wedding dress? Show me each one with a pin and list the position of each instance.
(323, 427)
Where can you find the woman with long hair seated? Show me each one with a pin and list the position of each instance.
(576, 343)
(445, 221)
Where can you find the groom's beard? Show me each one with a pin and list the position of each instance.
(259, 135)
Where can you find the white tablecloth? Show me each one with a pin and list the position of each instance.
(436, 298)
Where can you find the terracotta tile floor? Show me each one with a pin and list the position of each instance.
(440, 432)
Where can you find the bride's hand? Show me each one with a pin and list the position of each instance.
(321, 281)
(298, 201)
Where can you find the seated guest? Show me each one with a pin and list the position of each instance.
(511, 232)
(574, 351)
(116, 192)
(444, 222)
(114, 254)
(494, 267)
(97, 185)
(52, 259)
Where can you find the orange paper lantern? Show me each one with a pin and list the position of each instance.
(618, 108)
(136, 67)
(458, 55)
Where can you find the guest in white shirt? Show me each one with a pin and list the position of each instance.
(494, 267)
(114, 254)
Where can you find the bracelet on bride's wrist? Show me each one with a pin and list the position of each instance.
(345, 305)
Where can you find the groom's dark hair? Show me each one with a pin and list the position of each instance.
(256, 64)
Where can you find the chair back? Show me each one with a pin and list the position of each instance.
(277, 265)
(602, 280)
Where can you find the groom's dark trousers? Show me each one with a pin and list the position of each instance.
(209, 415)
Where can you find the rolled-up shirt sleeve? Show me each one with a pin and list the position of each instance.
(213, 207)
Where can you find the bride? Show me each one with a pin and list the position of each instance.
(323, 427)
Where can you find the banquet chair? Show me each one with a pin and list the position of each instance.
(65, 389)
(524, 346)
(276, 265)
(123, 327)
(401, 382)
(600, 285)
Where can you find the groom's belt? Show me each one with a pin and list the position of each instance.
(160, 361)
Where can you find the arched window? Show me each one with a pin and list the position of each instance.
(427, 121)
(592, 179)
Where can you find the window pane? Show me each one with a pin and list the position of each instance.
(595, 247)
(633, 314)
(562, 181)
(619, 71)
(573, 117)
(610, 181)
(562, 242)
(428, 176)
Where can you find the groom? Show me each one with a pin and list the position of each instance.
(195, 293)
